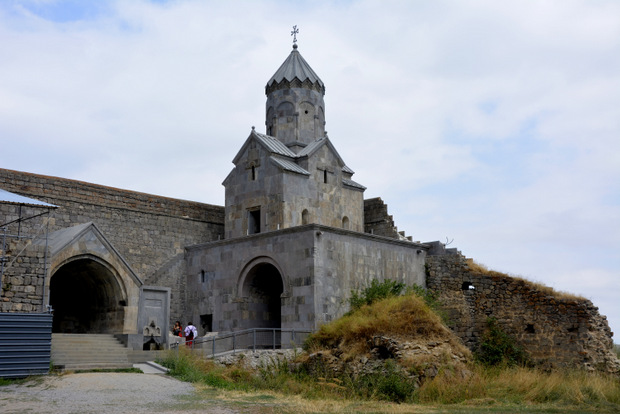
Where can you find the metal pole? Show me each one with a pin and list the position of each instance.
(254, 340)
(3, 256)
(47, 230)
(19, 223)
(213, 353)
(274, 339)
(233, 344)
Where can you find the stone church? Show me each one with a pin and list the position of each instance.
(295, 236)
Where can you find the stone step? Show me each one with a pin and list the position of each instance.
(89, 357)
(88, 351)
(87, 366)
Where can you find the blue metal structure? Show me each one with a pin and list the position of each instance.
(25, 344)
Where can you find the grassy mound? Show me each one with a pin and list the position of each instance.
(401, 317)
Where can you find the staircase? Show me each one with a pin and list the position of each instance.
(72, 352)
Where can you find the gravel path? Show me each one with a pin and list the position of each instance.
(110, 393)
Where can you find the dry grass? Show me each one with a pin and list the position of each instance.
(524, 386)
(560, 295)
(402, 316)
(496, 390)
(275, 402)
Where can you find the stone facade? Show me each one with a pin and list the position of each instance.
(24, 265)
(147, 232)
(556, 330)
(273, 188)
(318, 267)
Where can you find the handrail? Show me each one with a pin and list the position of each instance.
(240, 340)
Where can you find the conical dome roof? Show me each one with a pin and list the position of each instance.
(295, 66)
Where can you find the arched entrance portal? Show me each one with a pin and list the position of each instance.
(263, 288)
(86, 298)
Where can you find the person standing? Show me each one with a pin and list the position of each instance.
(190, 333)
(177, 330)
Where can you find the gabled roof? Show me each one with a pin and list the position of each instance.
(63, 238)
(295, 66)
(274, 145)
(314, 147)
(288, 165)
(271, 144)
(311, 147)
(285, 159)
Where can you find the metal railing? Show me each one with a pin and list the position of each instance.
(248, 339)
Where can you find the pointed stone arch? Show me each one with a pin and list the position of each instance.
(87, 296)
(91, 285)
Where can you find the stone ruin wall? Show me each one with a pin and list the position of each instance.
(377, 221)
(149, 231)
(556, 330)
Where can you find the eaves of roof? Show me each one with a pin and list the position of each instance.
(351, 183)
(288, 165)
(274, 145)
(347, 170)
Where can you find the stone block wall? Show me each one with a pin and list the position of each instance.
(556, 330)
(23, 265)
(149, 231)
(377, 220)
(224, 263)
(347, 261)
(23, 281)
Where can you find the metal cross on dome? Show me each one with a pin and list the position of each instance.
(294, 34)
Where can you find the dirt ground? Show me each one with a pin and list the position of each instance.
(110, 393)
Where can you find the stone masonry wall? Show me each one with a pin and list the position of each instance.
(555, 329)
(149, 231)
(23, 265)
(377, 220)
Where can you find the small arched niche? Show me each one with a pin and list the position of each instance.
(345, 223)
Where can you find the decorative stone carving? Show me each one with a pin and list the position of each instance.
(151, 329)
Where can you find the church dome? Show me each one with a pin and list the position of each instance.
(295, 72)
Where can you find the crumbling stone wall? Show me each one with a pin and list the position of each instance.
(377, 220)
(556, 330)
(149, 231)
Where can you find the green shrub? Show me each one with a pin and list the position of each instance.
(375, 292)
(390, 385)
(499, 348)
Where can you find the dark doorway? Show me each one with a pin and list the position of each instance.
(206, 322)
(263, 288)
(86, 298)
(254, 221)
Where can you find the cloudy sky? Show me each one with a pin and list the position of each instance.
(494, 125)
